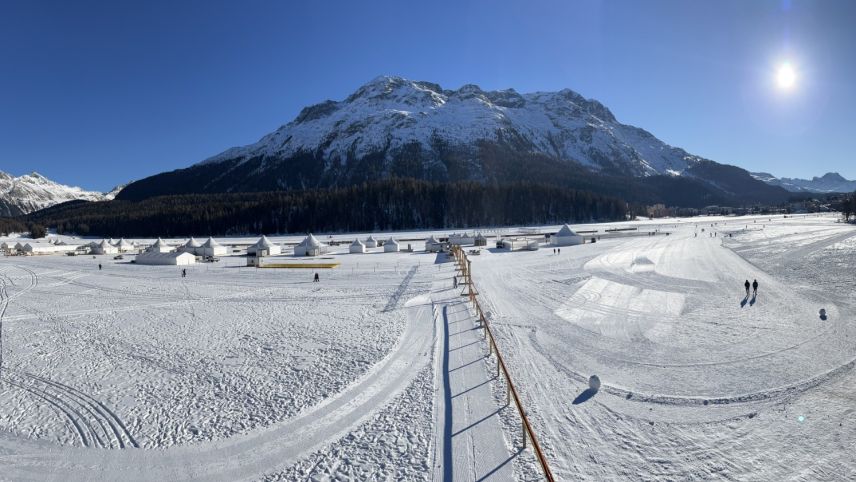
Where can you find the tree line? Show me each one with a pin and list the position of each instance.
(392, 204)
(10, 225)
(848, 206)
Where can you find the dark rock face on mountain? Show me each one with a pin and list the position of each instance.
(393, 127)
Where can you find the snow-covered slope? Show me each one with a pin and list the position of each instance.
(31, 192)
(390, 115)
(394, 127)
(829, 182)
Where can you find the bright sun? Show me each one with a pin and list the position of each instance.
(786, 77)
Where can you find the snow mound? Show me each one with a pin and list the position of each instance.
(641, 264)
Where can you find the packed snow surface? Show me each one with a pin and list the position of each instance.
(637, 357)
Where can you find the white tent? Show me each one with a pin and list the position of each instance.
(125, 246)
(371, 242)
(390, 246)
(7, 246)
(310, 246)
(358, 247)
(46, 248)
(480, 240)
(192, 246)
(264, 244)
(213, 248)
(566, 237)
(104, 247)
(176, 258)
(461, 239)
(432, 245)
(159, 247)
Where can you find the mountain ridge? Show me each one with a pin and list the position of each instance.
(32, 192)
(394, 127)
(831, 182)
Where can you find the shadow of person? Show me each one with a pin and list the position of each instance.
(752, 301)
(584, 396)
(744, 301)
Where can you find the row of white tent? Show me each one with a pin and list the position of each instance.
(37, 247)
(389, 246)
(310, 246)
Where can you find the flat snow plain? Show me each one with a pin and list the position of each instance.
(236, 373)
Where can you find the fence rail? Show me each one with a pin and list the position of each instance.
(463, 265)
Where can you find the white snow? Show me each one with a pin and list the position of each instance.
(31, 192)
(389, 113)
(637, 357)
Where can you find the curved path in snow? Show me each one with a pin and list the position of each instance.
(245, 457)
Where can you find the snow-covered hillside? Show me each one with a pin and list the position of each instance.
(31, 192)
(392, 115)
(394, 127)
(829, 182)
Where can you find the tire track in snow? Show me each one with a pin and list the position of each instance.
(86, 414)
(253, 454)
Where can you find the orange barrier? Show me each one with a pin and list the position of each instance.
(463, 265)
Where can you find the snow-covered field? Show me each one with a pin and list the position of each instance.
(379, 371)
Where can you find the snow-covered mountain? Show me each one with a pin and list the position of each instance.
(31, 192)
(391, 115)
(829, 182)
(397, 127)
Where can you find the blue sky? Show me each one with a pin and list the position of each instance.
(99, 93)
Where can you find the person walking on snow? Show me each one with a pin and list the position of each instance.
(99, 266)
(316, 280)
(755, 287)
(746, 284)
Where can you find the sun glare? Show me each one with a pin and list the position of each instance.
(786, 77)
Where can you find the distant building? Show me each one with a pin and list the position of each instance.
(213, 248)
(432, 245)
(104, 247)
(125, 246)
(357, 247)
(566, 237)
(480, 240)
(38, 248)
(159, 247)
(264, 244)
(461, 239)
(310, 246)
(192, 246)
(174, 258)
(391, 246)
(371, 242)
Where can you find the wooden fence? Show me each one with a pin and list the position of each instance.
(463, 266)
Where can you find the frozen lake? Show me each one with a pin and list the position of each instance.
(379, 371)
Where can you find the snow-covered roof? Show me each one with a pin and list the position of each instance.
(391, 240)
(431, 240)
(357, 242)
(159, 243)
(566, 231)
(480, 236)
(370, 238)
(124, 244)
(211, 243)
(105, 244)
(310, 242)
(263, 242)
(192, 243)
